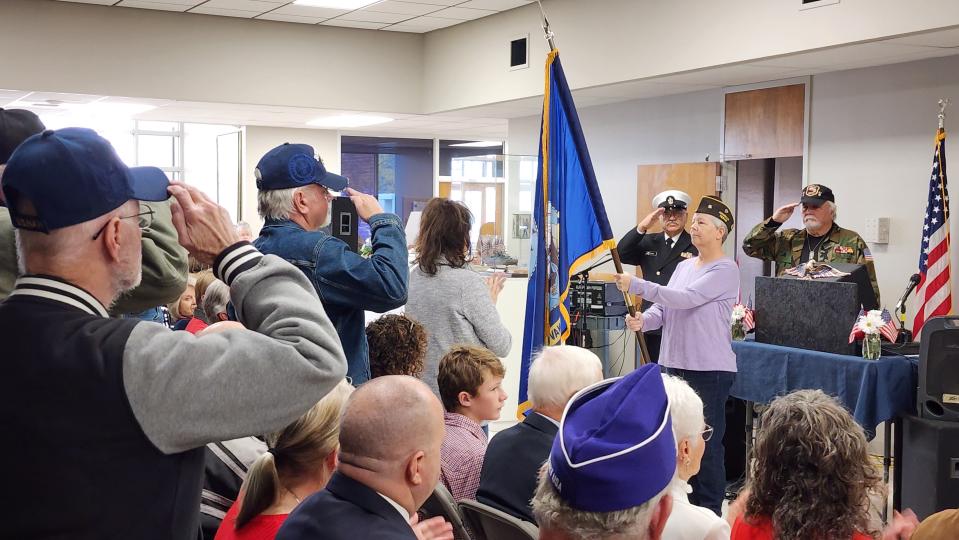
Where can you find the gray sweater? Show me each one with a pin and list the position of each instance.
(455, 308)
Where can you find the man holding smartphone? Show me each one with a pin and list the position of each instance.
(295, 198)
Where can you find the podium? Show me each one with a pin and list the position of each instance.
(807, 314)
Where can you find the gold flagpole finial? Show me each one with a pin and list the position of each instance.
(943, 103)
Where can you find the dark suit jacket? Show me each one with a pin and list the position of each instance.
(648, 251)
(345, 510)
(511, 468)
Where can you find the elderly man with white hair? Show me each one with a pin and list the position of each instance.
(118, 410)
(515, 455)
(694, 310)
(820, 238)
(295, 195)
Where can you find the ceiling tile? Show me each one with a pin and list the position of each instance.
(309, 11)
(374, 16)
(274, 16)
(429, 23)
(438, 2)
(163, 6)
(259, 6)
(408, 8)
(205, 10)
(353, 24)
(497, 5)
(463, 14)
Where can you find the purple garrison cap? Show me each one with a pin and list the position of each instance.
(615, 447)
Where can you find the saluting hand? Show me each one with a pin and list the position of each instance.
(204, 228)
(647, 221)
(366, 205)
(784, 212)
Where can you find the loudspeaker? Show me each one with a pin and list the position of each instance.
(938, 394)
(930, 465)
(345, 222)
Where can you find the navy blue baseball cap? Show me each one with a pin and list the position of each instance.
(295, 165)
(615, 447)
(73, 175)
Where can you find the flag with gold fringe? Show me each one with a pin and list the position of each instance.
(569, 224)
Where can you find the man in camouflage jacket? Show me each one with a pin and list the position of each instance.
(821, 239)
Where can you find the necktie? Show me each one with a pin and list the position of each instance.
(669, 243)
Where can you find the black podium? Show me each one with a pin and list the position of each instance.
(806, 314)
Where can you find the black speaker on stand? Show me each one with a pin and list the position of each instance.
(938, 394)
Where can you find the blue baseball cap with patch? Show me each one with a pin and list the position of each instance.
(73, 175)
(295, 165)
(615, 447)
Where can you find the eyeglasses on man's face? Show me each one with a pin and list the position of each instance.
(144, 220)
(707, 432)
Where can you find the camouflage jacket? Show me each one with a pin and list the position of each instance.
(785, 248)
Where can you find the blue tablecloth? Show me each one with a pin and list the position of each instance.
(874, 390)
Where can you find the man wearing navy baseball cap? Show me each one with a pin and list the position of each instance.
(119, 409)
(294, 200)
(164, 259)
(611, 464)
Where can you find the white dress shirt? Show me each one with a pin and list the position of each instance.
(690, 522)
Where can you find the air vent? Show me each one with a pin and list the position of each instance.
(519, 52)
(809, 4)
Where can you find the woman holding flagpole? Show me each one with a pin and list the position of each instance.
(694, 310)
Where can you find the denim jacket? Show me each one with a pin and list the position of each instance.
(346, 283)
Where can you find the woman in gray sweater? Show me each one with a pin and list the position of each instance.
(455, 304)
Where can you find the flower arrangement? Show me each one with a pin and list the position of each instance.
(872, 326)
(741, 321)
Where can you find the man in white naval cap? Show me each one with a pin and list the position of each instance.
(659, 253)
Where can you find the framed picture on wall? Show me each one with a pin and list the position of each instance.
(521, 225)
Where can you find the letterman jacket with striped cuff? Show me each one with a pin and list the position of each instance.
(108, 417)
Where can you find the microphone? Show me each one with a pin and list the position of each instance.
(913, 281)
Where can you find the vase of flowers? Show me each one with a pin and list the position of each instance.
(869, 324)
(738, 327)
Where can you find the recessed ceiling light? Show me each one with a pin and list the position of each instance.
(478, 144)
(349, 121)
(336, 4)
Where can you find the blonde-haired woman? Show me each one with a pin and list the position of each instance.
(299, 462)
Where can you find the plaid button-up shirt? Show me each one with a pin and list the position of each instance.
(461, 457)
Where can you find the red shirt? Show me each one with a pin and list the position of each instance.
(760, 529)
(262, 527)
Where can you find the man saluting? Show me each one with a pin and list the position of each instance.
(659, 253)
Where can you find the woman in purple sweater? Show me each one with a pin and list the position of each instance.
(694, 310)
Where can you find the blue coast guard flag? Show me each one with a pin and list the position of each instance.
(569, 221)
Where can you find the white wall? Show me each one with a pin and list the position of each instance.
(260, 140)
(90, 49)
(608, 41)
(872, 142)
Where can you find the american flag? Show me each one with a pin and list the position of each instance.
(749, 320)
(934, 291)
(888, 328)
